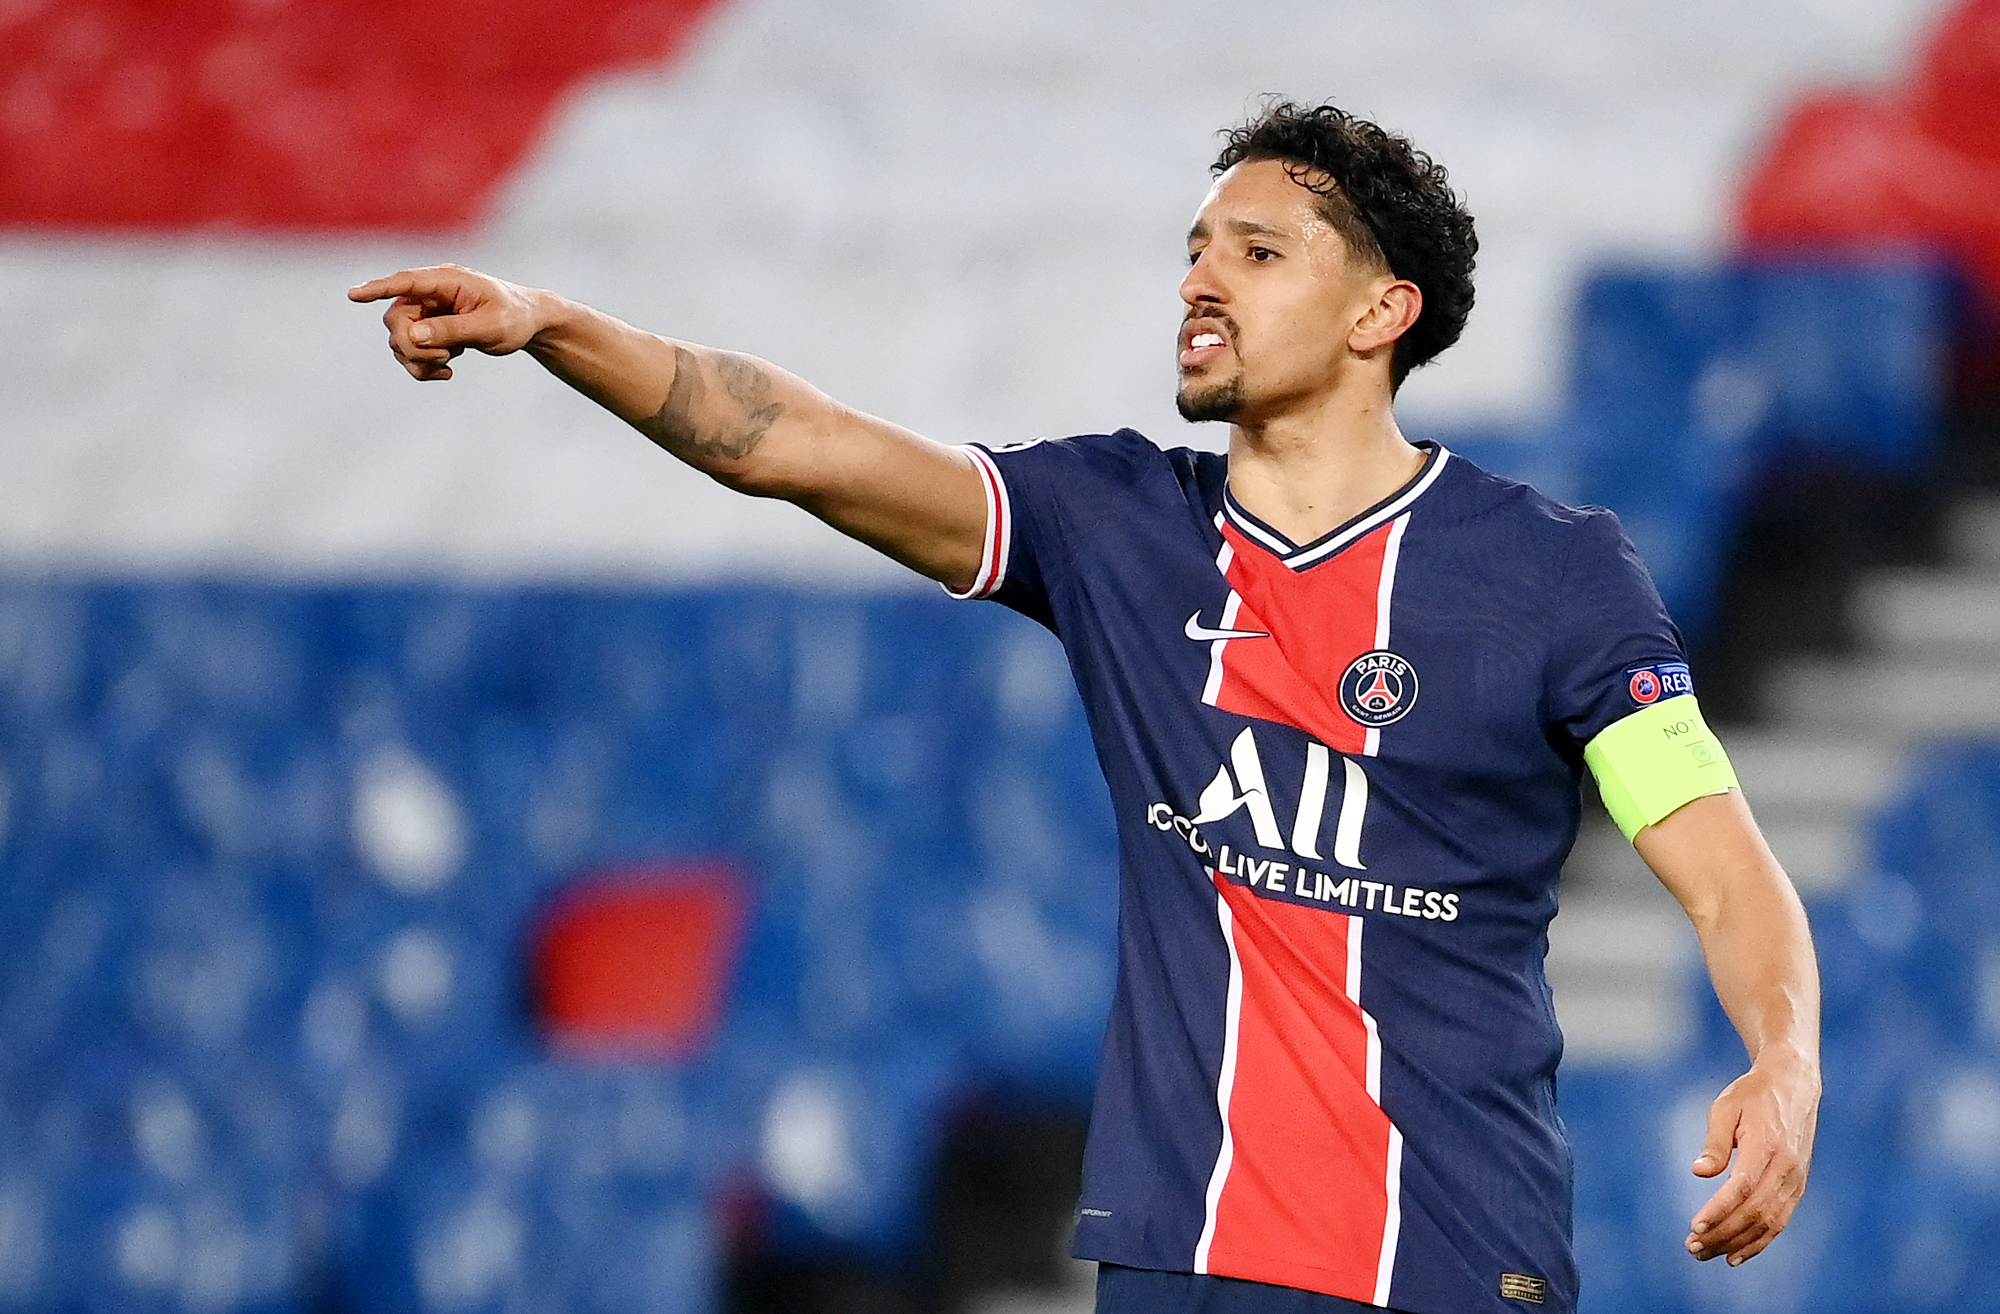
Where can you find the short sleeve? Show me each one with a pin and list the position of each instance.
(1615, 650)
(1038, 494)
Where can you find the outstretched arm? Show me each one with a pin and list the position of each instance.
(1760, 956)
(743, 421)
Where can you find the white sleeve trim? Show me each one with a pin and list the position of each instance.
(999, 530)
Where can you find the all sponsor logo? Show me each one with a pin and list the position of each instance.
(1240, 786)
(1649, 684)
(1378, 687)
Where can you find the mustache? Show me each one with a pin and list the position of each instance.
(1228, 324)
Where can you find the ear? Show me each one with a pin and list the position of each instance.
(1397, 304)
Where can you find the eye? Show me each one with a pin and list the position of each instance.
(1261, 254)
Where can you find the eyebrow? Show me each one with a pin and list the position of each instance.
(1240, 227)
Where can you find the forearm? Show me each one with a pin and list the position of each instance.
(1751, 924)
(1753, 932)
(747, 423)
(713, 409)
(1760, 958)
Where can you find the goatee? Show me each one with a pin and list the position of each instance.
(1218, 401)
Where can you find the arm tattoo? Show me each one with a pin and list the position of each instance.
(748, 389)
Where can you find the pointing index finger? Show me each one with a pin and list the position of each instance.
(420, 283)
(395, 285)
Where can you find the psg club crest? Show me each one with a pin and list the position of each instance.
(1378, 687)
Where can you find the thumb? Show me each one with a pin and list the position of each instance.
(449, 331)
(1714, 1156)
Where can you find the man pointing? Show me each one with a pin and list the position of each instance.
(1343, 687)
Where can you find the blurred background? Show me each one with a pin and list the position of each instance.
(454, 859)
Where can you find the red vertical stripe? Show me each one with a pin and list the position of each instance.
(1307, 1195)
(1319, 619)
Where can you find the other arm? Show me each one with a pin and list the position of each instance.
(1753, 933)
(744, 422)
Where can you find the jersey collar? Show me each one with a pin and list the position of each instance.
(1300, 556)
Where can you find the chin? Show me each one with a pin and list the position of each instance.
(1216, 401)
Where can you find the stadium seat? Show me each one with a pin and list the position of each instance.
(1856, 353)
(1689, 385)
(1599, 1114)
(847, 1144)
(1917, 1241)
(559, 1185)
(638, 963)
(1858, 172)
(164, 1189)
(327, 865)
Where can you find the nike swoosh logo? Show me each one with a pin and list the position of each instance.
(1202, 634)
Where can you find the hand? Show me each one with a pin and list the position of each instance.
(1767, 1117)
(439, 312)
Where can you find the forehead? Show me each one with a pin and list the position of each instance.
(1261, 194)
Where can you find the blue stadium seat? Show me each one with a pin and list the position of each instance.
(1834, 359)
(558, 1186)
(1915, 1241)
(441, 1002)
(1629, 1129)
(847, 1143)
(187, 888)
(1856, 353)
(1688, 385)
(44, 653)
(1665, 413)
(1942, 835)
(167, 1188)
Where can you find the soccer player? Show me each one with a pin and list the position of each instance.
(1343, 687)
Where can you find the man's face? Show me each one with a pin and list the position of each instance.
(1270, 301)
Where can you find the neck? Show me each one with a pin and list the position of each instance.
(1307, 472)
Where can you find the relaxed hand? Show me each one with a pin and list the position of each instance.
(1767, 1118)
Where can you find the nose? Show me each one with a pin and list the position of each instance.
(1201, 285)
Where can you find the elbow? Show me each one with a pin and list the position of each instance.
(757, 477)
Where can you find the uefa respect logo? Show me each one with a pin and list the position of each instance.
(1648, 684)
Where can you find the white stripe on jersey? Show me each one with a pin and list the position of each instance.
(1392, 553)
(1392, 1182)
(999, 537)
(1360, 527)
(1225, 1082)
(1392, 1221)
(1212, 689)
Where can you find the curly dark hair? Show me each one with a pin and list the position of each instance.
(1388, 200)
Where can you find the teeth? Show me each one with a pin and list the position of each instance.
(1206, 340)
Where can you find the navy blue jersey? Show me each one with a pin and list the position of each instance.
(1345, 774)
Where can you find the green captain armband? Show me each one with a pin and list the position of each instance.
(1655, 760)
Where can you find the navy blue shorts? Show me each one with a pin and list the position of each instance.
(1147, 1291)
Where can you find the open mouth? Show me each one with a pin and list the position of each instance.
(1200, 346)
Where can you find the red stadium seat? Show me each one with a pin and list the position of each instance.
(1846, 167)
(637, 963)
(311, 115)
(1956, 98)
(1915, 167)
